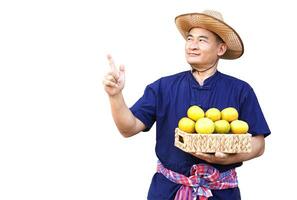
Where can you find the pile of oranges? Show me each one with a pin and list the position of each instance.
(212, 121)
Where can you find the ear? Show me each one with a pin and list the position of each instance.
(222, 48)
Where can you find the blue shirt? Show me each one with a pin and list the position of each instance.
(167, 100)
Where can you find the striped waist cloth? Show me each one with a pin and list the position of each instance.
(203, 178)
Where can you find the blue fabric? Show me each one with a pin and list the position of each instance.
(166, 101)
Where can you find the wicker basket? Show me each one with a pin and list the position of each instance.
(210, 143)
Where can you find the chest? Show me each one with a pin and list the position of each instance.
(175, 103)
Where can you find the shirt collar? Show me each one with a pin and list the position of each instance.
(208, 83)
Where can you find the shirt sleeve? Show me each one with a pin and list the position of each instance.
(251, 112)
(145, 108)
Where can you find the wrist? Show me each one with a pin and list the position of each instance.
(237, 157)
(116, 96)
(117, 100)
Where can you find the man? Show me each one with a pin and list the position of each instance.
(166, 100)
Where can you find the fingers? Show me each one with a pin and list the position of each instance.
(122, 69)
(109, 80)
(211, 155)
(202, 155)
(111, 62)
(122, 73)
(113, 68)
(110, 77)
(109, 83)
(221, 155)
(217, 157)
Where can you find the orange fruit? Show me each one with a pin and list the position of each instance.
(187, 125)
(239, 127)
(195, 113)
(214, 114)
(204, 126)
(229, 114)
(222, 126)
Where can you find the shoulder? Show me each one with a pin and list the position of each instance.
(169, 80)
(174, 77)
(239, 88)
(234, 82)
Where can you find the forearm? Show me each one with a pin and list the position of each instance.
(258, 146)
(123, 117)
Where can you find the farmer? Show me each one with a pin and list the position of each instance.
(182, 175)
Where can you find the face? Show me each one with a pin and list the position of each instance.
(202, 47)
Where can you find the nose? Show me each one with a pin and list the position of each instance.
(193, 45)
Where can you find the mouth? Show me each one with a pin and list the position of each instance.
(193, 54)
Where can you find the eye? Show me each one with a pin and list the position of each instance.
(189, 38)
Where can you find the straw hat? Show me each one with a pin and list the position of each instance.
(212, 21)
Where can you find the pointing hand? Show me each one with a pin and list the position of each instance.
(114, 80)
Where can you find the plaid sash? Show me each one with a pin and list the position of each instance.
(203, 178)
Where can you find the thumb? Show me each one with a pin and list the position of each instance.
(221, 155)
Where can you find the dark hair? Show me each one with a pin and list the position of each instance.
(218, 38)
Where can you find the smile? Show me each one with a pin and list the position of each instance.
(193, 54)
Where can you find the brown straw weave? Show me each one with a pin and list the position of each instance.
(210, 143)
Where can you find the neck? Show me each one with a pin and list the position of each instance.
(202, 73)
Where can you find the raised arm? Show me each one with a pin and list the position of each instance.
(114, 82)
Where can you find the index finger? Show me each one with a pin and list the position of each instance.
(111, 63)
(113, 68)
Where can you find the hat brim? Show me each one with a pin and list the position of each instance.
(233, 41)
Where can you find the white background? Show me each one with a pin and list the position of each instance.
(57, 136)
